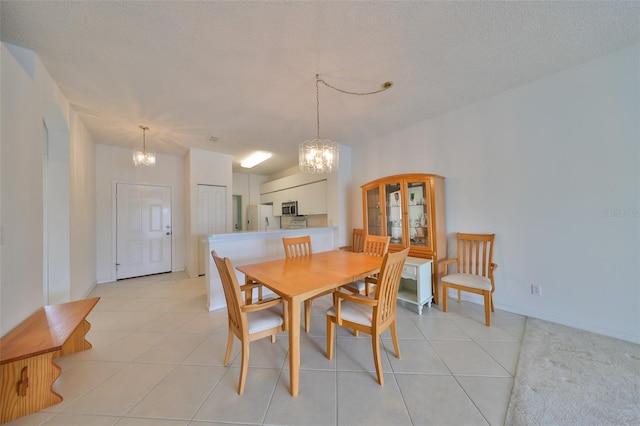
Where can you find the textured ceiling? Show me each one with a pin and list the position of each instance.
(245, 71)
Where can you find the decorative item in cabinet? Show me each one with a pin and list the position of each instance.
(415, 282)
(409, 208)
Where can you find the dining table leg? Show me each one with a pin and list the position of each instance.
(294, 344)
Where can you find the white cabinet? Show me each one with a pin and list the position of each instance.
(312, 198)
(272, 198)
(415, 283)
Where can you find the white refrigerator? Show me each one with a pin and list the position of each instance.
(261, 218)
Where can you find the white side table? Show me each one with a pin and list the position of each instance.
(415, 283)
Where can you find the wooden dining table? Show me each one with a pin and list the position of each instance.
(300, 278)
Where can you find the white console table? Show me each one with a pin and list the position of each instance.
(415, 283)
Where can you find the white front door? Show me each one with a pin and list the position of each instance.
(143, 230)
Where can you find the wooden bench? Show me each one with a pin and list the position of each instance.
(27, 370)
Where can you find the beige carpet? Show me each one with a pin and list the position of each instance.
(567, 376)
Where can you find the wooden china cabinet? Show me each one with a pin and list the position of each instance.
(409, 208)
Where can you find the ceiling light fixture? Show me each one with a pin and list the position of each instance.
(144, 157)
(255, 159)
(322, 156)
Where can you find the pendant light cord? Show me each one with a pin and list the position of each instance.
(386, 85)
(144, 139)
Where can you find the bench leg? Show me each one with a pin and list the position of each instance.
(27, 386)
(76, 341)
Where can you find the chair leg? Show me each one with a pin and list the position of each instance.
(330, 339)
(244, 366)
(458, 296)
(375, 344)
(273, 338)
(307, 315)
(492, 305)
(394, 338)
(445, 292)
(285, 316)
(487, 308)
(227, 355)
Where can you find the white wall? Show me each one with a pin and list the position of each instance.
(28, 92)
(552, 168)
(116, 166)
(82, 210)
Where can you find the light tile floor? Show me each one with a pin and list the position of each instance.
(157, 359)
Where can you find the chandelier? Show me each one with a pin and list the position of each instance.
(144, 157)
(322, 155)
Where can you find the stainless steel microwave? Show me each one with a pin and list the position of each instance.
(290, 208)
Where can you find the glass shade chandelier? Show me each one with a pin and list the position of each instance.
(322, 155)
(144, 157)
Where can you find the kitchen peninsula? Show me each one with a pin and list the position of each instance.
(247, 247)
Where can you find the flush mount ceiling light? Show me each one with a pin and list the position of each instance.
(318, 155)
(255, 159)
(144, 157)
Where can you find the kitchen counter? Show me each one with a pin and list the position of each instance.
(244, 247)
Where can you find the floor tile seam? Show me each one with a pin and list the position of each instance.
(86, 361)
(404, 400)
(494, 359)
(200, 364)
(273, 391)
(151, 389)
(486, 376)
(497, 340)
(400, 373)
(110, 416)
(208, 395)
(471, 399)
(70, 402)
(439, 357)
(439, 339)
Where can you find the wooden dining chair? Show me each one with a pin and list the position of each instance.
(295, 247)
(475, 270)
(371, 315)
(248, 322)
(357, 242)
(372, 245)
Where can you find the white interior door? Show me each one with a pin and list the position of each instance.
(143, 230)
(212, 208)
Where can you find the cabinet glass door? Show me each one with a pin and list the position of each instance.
(373, 212)
(393, 199)
(419, 215)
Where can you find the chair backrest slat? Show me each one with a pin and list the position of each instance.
(357, 241)
(375, 245)
(475, 253)
(297, 246)
(388, 283)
